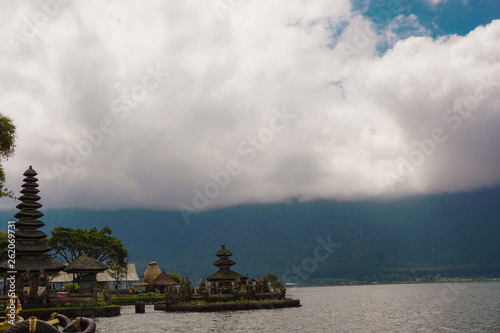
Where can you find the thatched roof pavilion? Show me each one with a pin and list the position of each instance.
(86, 269)
(163, 280)
(105, 276)
(151, 272)
(86, 264)
(223, 276)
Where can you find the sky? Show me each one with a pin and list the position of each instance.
(195, 105)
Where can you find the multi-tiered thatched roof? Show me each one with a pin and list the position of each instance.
(30, 250)
(225, 274)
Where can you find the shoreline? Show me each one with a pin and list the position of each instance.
(391, 283)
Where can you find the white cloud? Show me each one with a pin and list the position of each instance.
(220, 79)
(402, 27)
(435, 2)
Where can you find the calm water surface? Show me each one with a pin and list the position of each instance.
(435, 307)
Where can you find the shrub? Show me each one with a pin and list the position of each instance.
(72, 288)
(80, 304)
(149, 294)
(73, 312)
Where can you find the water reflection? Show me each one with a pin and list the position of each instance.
(461, 307)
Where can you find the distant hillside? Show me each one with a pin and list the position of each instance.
(456, 234)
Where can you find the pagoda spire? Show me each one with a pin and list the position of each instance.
(28, 244)
(224, 263)
(29, 248)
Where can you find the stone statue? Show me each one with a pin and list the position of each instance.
(189, 289)
(43, 278)
(202, 287)
(203, 290)
(258, 285)
(183, 290)
(249, 281)
(186, 291)
(250, 288)
(282, 292)
(265, 284)
(168, 296)
(237, 284)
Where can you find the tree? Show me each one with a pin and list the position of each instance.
(4, 242)
(273, 280)
(70, 244)
(7, 147)
(175, 277)
(117, 271)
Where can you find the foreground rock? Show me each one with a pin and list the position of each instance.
(33, 324)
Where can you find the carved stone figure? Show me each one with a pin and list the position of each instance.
(237, 284)
(202, 287)
(265, 284)
(283, 292)
(258, 285)
(249, 281)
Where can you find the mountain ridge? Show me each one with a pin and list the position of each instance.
(445, 233)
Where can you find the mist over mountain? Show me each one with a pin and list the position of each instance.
(450, 234)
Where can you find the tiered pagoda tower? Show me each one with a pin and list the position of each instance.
(224, 263)
(225, 277)
(30, 251)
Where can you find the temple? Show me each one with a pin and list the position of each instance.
(224, 278)
(228, 290)
(30, 251)
(86, 269)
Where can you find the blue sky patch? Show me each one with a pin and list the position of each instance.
(442, 18)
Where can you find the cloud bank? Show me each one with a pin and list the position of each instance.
(205, 104)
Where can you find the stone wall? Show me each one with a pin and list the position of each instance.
(229, 306)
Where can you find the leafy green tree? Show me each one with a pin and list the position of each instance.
(7, 147)
(70, 244)
(176, 277)
(4, 242)
(273, 280)
(118, 271)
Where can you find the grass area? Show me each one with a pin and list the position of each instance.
(149, 294)
(132, 300)
(129, 299)
(73, 312)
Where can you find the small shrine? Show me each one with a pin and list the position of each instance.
(225, 278)
(31, 261)
(162, 282)
(84, 271)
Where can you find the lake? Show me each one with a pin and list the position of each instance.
(432, 307)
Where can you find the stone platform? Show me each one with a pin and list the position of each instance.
(229, 306)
